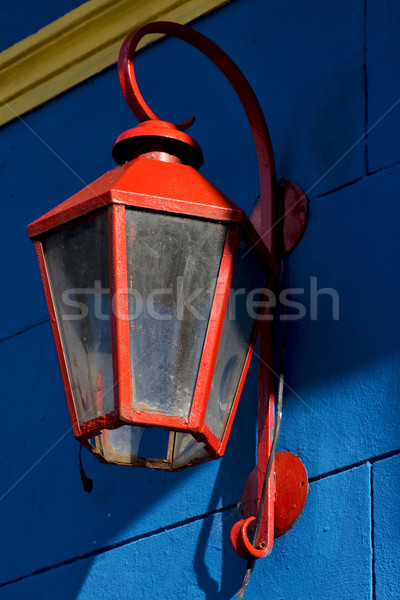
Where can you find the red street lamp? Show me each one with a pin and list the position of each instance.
(147, 274)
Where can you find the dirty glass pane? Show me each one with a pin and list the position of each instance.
(240, 317)
(173, 264)
(77, 263)
(124, 441)
(129, 442)
(187, 450)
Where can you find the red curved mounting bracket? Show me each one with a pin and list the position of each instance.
(241, 86)
(280, 218)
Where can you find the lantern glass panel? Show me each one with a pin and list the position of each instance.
(152, 447)
(187, 450)
(249, 275)
(173, 264)
(121, 444)
(77, 265)
(128, 443)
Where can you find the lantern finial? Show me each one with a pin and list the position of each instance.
(153, 137)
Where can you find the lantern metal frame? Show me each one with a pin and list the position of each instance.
(110, 193)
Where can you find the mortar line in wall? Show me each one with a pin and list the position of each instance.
(339, 187)
(24, 329)
(373, 535)
(121, 544)
(315, 478)
(196, 518)
(380, 169)
(356, 180)
(365, 73)
(372, 460)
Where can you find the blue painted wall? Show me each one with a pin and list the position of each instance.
(328, 80)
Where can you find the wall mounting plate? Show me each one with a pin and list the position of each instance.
(291, 488)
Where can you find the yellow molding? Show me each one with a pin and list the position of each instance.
(81, 43)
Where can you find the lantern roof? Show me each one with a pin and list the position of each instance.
(148, 184)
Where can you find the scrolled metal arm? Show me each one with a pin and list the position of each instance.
(262, 141)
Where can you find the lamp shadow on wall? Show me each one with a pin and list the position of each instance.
(239, 458)
(126, 508)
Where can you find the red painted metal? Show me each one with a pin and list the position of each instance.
(94, 426)
(268, 217)
(242, 88)
(291, 491)
(250, 499)
(295, 216)
(212, 443)
(291, 221)
(153, 419)
(266, 423)
(213, 335)
(240, 541)
(147, 184)
(161, 177)
(163, 135)
(119, 311)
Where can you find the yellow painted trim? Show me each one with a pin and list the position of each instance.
(78, 45)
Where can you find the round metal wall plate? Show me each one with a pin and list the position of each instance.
(291, 488)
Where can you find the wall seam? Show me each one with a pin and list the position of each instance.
(340, 187)
(372, 535)
(23, 329)
(337, 471)
(384, 168)
(356, 180)
(121, 544)
(372, 460)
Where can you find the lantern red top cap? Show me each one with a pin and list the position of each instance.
(156, 135)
